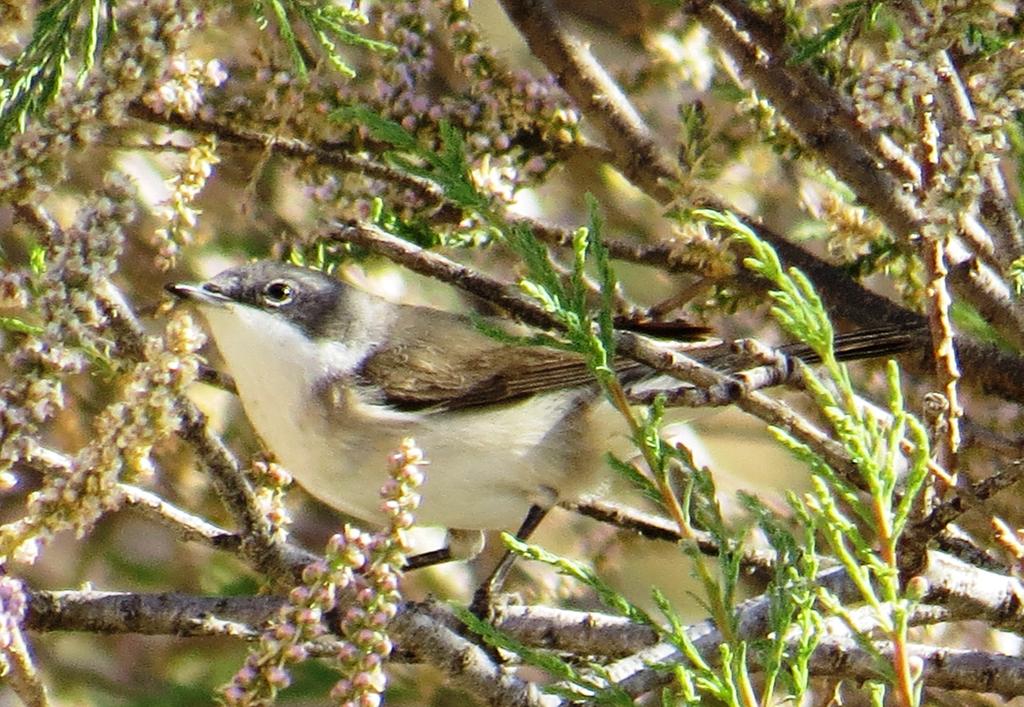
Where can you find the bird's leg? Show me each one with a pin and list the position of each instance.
(481, 605)
(460, 545)
(429, 559)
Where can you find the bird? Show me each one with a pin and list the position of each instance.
(332, 378)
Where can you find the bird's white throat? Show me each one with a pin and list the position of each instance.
(276, 368)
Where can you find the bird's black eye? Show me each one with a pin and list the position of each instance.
(277, 293)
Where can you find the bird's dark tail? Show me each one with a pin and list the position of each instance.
(867, 343)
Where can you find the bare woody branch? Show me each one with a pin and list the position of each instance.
(425, 632)
(964, 593)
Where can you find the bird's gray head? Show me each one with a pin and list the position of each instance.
(318, 305)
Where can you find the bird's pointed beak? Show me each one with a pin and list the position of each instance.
(200, 294)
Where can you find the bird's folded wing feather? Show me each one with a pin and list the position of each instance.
(467, 369)
(428, 377)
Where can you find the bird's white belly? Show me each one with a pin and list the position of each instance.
(485, 469)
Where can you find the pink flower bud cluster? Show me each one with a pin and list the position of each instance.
(356, 583)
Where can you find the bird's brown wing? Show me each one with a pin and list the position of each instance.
(425, 376)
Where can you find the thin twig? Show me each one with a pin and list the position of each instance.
(186, 526)
(981, 289)
(923, 531)
(631, 141)
(758, 563)
(339, 156)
